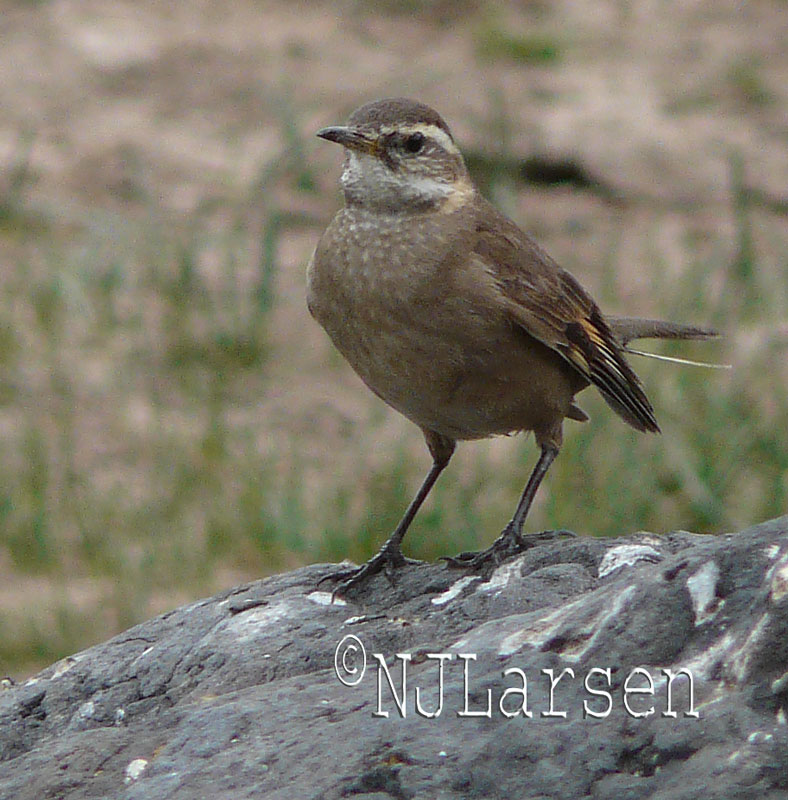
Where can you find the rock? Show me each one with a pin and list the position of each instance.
(239, 696)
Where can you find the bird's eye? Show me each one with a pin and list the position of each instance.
(414, 142)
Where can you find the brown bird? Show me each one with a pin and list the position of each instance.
(455, 317)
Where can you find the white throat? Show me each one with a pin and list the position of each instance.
(367, 181)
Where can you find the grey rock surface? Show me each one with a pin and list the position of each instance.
(237, 696)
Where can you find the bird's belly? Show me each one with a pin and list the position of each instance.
(470, 382)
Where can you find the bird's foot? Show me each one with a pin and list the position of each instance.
(510, 543)
(388, 560)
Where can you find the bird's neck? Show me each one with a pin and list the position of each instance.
(369, 184)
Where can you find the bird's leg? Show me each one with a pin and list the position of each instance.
(512, 541)
(514, 529)
(390, 557)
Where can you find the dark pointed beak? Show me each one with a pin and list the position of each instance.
(352, 138)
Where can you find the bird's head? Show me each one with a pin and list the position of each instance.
(400, 158)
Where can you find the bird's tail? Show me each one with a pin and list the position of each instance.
(628, 328)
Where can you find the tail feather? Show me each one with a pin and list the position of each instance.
(625, 329)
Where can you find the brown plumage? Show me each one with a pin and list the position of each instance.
(455, 317)
(551, 306)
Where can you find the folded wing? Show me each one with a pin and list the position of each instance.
(550, 305)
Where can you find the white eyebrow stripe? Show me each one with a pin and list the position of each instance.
(429, 130)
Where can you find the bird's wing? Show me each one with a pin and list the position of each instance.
(550, 305)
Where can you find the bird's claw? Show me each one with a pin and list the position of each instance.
(388, 560)
(510, 543)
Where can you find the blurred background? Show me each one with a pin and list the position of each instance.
(173, 422)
